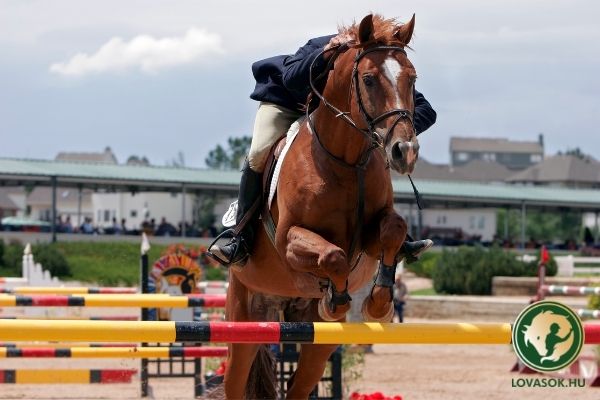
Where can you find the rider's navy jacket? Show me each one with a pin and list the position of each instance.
(284, 80)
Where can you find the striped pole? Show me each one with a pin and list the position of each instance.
(112, 352)
(68, 290)
(252, 332)
(571, 290)
(264, 332)
(100, 318)
(63, 345)
(589, 314)
(114, 300)
(213, 285)
(67, 375)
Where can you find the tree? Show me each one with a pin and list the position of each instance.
(178, 161)
(204, 209)
(576, 152)
(541, 225)
(135, 160)
(231, 157)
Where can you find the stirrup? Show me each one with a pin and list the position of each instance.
(229, 233)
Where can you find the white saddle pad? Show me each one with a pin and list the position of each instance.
(291, 135)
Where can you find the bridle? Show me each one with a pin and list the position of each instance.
(375, 138)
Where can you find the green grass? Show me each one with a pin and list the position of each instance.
(424, 292)
(107, 264)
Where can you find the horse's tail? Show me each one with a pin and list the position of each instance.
(262, 381)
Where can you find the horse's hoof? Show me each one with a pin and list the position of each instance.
(387, 317)
(325, 313)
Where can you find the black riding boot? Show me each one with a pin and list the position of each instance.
(239, 247)
(411, 249)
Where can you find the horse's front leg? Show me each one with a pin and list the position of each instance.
(392, 232)
(241, 356)
(307, 251)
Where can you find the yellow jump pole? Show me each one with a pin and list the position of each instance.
(255, 332)
(113, 300)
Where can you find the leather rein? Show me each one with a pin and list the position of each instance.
(377, 141)
(370, 133)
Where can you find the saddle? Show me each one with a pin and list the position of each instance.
(271, 176)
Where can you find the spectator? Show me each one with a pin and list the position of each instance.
(116, 228)
(400, 295)
(588, 237)
(67, 226)
(124, 226)
(165, 228)
(87, 227)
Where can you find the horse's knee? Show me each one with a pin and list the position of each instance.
(393, 231)
(333, 259)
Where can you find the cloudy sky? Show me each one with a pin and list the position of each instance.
(153, 78)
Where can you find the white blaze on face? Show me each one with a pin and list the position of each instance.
(391, 70)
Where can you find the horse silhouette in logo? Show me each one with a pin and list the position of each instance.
(550, 334)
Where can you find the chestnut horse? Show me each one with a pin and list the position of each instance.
(333, 210)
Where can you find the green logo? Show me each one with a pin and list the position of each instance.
(547, 336)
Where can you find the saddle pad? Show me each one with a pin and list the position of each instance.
(291, 135)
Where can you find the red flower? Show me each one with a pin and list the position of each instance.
(373, 396)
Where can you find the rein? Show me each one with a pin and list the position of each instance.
(377, 141)
(370, 133)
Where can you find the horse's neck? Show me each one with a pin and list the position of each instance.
(336, 135)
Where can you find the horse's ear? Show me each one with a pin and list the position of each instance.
(365, 30)
(405, 32)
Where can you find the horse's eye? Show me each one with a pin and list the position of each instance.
(368, 80)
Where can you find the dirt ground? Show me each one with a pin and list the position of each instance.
(415, 372)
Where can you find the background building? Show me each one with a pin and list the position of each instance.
(512, 154)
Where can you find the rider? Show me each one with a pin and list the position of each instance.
(282, 88)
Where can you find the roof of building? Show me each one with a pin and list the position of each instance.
(117, 177)
(107, 157)
(137, 178)
(42, 195)
(483, 171)
(560, 168)
(494, 145)
(427, 170)
(473, 171)
(468, 194)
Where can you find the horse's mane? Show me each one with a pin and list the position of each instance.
(384, 30)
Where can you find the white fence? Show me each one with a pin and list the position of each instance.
(566, 265)
(33, 274)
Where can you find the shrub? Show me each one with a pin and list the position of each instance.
(469, 270)
(215, 274)
(51, 259)
(13, 259)
(1, 252)
(425, 266)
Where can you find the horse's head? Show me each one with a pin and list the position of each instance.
(383, 81)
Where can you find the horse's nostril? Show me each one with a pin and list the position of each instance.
(397, 152)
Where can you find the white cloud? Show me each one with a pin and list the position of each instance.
(143, 52)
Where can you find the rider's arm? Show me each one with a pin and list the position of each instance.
(296, 68)
(425, 115)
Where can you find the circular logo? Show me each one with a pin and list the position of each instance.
(547, 336)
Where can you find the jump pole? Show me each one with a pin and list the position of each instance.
(64, 376)
(254, 332)
(113, 352)
(67, 290)
(114, 300)
(264, 332)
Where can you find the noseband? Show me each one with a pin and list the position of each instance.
(377, 140)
